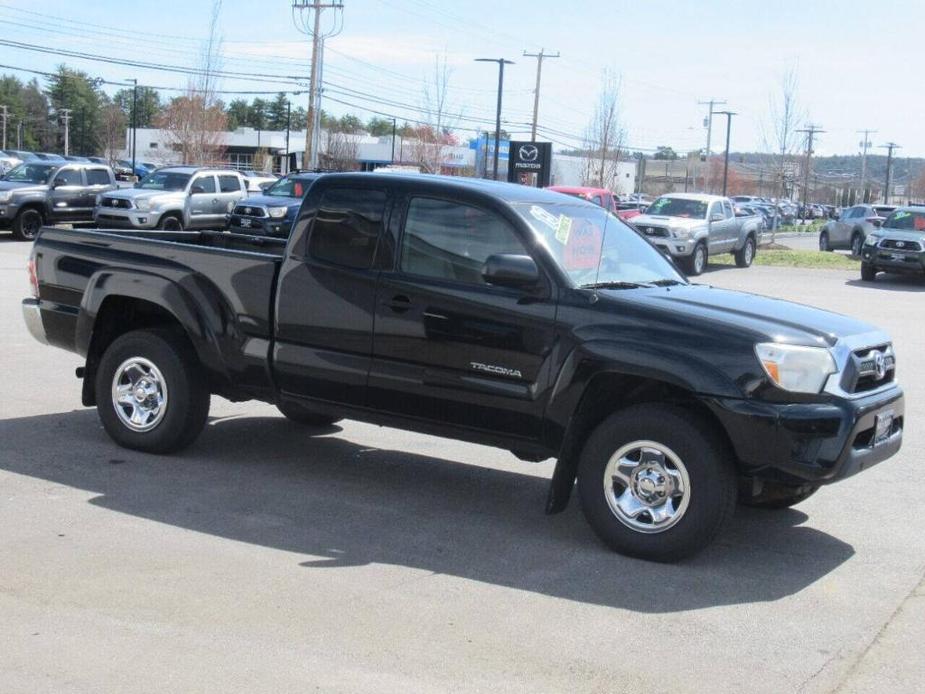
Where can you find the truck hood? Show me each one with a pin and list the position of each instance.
(901, 235)
(24, 187)
(664, 221)
(763, 318)
(140, 194)
(270, 201)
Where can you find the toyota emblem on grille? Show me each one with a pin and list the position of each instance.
(900, 244)
(248, 210)
(650, 231)
(880, 365)
(528, 152)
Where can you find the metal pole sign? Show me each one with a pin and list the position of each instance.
(530, 163)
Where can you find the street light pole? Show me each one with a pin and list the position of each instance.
(501, 63)
(729, 115)
(134, 82)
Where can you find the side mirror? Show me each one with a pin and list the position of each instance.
(508, 270)
(717, 217)
(195, 190)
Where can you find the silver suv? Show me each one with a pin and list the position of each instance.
(852, 227)
(173, 198)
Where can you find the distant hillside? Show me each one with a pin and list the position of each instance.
(903, 168)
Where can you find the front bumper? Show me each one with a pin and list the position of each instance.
(677, 248)
(125, 219)
(894, 260)
(260, 226)
(819, 443)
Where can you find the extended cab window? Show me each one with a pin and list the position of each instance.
(347, 226)
(449, 241)
(727, 208)
(229, 184)
(68, 177)
(203, 184)
(97, 177)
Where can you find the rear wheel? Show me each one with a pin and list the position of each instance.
(656, 482)
(171, 222)
(856, 242)
(303, 416)
(774, 495)
(745, 255)
(27, 223)
(868, 272)
(697, 262)
(150, 392)
(824, 244)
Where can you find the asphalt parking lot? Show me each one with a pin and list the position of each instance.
(270, 558)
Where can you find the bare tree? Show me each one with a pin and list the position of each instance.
(786, 115)
(604, 136)
(438, 112)
(113, 130)
(194, 123)
(341, 147)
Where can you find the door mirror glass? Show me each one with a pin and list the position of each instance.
(509, 270)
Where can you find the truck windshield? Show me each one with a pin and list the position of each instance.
(906, 220)
(595, 248)
(164, 180)
(679, 207)
(30, 173)
(289, 188)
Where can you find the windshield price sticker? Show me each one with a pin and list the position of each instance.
(583, 250)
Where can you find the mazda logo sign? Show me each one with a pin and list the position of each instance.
(528, 153)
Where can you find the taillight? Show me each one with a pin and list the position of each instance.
(33, 277)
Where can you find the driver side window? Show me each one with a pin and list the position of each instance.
(207, 183)
(716, 208)
(68, 177)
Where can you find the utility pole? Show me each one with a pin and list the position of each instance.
(708, 124)
(536, 92)
(501, 63)
(865, 145)
(889, 147)
(394, 128)
(811, 131)
(4, 115)
(66, 117)
(288, 125)
(729, 115)
(134, 118)
(315, 7)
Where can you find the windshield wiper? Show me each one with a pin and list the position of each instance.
(666, 283)
(614, 285)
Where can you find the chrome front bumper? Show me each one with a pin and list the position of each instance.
(32, 314)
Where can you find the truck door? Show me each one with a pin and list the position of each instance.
(326, 298)
(730, 227)
(448, 347)
(718, 235)
(230, 190)
(203, 200)
(98, 181)
(67, 194)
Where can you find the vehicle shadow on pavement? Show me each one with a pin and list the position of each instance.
(892, 283)
(273, 483)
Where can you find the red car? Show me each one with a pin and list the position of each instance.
(599, 196)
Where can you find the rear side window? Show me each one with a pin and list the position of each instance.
(727, 208)
(229, 184)
(207, 183)
(68, 177)
(347, 226)
(449, 241)
(98, 177)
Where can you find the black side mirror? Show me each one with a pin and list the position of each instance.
(508, 270)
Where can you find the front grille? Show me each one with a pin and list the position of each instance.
(912, 246)
(659, 232)
(873, 368)
(116, 202)
(250, 211)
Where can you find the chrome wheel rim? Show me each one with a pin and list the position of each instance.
(646, 486)
(749, 252)
(139, 394)
(699, 258)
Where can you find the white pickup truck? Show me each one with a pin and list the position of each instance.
(692, 226)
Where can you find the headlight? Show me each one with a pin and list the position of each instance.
(6, 195)
(680, 232)
(143, 205)
(277, 212)
(794, 367)
(871, 240)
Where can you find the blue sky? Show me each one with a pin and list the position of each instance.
(859, 64)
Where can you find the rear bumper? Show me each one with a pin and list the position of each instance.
(32, 315)
(818, 443)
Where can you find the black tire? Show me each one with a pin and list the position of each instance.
(187, 393)
(301, 415)
(857, 242)
(708, 463)
(27, 223)
(170, 222)
(868, 272)
(698, 260)
(774, 495)
(824, 244)
(745, 255)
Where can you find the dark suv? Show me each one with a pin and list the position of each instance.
(272, 212)
(44, 192)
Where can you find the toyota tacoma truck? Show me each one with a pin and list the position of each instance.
(273, 212)
(691, 227)
(488, 312)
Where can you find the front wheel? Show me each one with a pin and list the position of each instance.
(824, 244)
(656, 482)
(868, 272)
(697, 262)
(27, 223)
(745, 255)
(171, 222)
(150, 392)
(774, 495)
(856, 242)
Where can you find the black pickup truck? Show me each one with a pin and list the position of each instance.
(494, 313)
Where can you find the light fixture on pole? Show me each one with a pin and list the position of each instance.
(501, 63)
(729, 115)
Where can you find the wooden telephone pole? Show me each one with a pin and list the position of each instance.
(536, 92)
